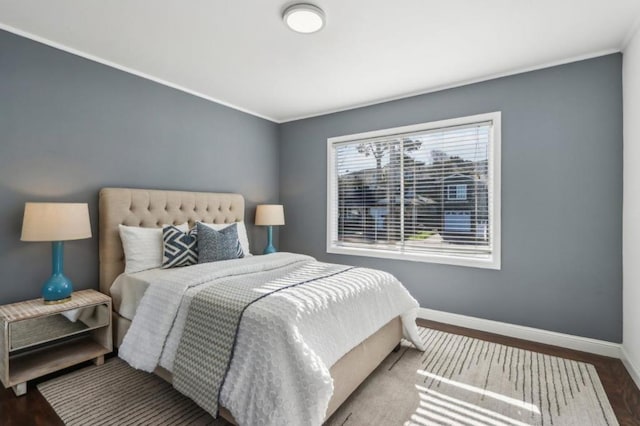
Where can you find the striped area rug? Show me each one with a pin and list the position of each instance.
(459, 380)
(116, 394)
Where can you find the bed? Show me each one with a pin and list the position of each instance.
(154, 208)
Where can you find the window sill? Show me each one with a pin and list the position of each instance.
(483, 262)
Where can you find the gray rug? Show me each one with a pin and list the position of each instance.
(116, 394)
(458, 381)
(465, 381)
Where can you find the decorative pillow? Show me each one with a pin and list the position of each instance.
(242, 234)
(180, 248)
(143, 247)
(218, 245)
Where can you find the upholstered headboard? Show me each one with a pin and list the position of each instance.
(154, 208)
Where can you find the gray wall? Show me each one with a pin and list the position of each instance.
(561, 197)
(69, 126)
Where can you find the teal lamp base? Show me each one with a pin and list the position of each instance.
(58, 288)
(269, 248)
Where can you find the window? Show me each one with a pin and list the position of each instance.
(428, 192)
(457, 192)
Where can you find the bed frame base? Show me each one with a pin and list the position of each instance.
(347, 373)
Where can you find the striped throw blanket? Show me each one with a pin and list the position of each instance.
(209, 336)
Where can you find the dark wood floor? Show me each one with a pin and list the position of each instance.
(33, 409)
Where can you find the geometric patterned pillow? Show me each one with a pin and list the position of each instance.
(179, 248)
(218, 245)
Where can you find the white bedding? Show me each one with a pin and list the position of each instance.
(128, 289)
(286, 342)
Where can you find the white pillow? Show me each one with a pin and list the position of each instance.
(143, 247)
(242, 234)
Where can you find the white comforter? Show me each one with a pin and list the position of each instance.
(286, 342)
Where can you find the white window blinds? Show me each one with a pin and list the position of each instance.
(425, 192)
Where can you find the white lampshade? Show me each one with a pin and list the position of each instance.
(55, 222)
(270, 214)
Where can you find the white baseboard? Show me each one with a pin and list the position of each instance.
(584, 344)
(632, 368)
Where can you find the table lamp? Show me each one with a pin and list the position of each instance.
(56, 222)
(269, 215)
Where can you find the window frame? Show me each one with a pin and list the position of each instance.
(492, 261)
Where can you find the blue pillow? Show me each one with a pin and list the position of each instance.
(179, 248)
(218, 245)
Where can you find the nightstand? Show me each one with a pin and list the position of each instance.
(38, 339)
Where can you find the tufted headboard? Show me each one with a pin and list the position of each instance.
(154, 208)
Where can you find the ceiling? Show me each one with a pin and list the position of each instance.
(239, 53)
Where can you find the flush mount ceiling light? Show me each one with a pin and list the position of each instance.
(304, 18)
